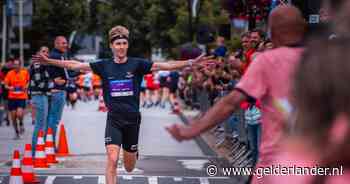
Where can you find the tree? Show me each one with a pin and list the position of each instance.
(130, 14)
(210, 14)
(161, 16)
(156, 23)
(56, 17)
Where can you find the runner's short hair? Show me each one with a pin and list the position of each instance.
(118, 32)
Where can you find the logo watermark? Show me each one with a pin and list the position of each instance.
(274, 170)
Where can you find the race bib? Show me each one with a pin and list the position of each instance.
(18, 89)
(121, 88)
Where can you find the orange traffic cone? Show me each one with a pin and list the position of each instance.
(50, 148)
(63, 149)
(16, 171)
(27, 166)
(40, 156)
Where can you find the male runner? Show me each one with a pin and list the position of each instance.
(121, 81)
(16, 82)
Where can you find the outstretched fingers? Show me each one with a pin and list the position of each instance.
(203, 60)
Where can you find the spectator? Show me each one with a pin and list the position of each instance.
(221, 50)
(332, 133)
(39, 90)
(59, 76)
(326, 128)
(256, 37)
(246, 53)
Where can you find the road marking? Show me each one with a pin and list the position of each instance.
(134, 171)
(177, 179)
(204, 180)
(101, 180)
(152, 180)
(127, 177)
(130, 176)
(50, 179)
(77, 177)
(195, 164)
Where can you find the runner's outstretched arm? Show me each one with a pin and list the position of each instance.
(174, 65)
(215, 115)
(69, 64)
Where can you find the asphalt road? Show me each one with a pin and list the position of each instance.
(162, 159)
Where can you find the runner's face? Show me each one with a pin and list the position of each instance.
(120, 48)
(16, 64)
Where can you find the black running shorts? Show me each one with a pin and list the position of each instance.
(14, 104)
(123, 130)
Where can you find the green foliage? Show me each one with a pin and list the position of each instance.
(152, 23)
(234, 44)
(210, 14)
(57, 17)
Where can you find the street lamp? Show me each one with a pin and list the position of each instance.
(20, 12)
(4, 30)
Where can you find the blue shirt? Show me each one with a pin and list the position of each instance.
(220, 51)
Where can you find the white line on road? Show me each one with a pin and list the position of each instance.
(204, 180)
(101, 180)
(152, 180)
(177, 179)
(50, 179)
(127, 177)
(77, 177)
(164, 176)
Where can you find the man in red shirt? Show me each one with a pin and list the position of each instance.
(247, 52)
